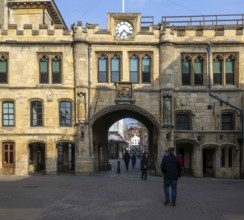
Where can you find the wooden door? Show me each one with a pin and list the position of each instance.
(8, 158)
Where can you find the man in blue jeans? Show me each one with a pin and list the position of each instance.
(171, 169)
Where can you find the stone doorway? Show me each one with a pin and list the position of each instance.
(37, 158)
(65, 157)
(8, 158)
(187, 151)
(209, 162)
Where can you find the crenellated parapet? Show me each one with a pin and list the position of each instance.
(214, 28)
(42, 33)
(80, 33)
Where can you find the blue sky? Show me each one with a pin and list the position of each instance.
(95, 11)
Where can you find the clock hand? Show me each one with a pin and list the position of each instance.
(125, 31)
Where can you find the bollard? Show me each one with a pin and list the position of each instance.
(118, 167)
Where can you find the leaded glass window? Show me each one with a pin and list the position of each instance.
(115, 69)
(198, 71)
(229, 67)
(146, 69)
(186, 72)
(3, 70)
(102, 69)
(65, 113)
(8, 114)
(227, 122)
(182, 122)
(56, 70)
(44, 69)
(217, 74)
(36, 113)
(134, 74)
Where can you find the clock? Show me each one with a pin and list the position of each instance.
(124, 30)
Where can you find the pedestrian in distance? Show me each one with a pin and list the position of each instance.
(170, 166)
(144, 166)
(126, 159)
(133, 160)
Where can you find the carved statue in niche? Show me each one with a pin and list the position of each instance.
(81, 102)
(167, 109)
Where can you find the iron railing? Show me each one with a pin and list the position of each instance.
(147, 21)
(204, 20)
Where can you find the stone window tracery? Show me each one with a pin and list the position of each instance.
(193, 68)
(50, 68)
(3, 68)
(140, 67)
(109, 67)
(225, 69)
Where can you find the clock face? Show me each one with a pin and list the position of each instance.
(124, 30)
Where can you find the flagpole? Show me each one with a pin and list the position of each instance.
(123, 6)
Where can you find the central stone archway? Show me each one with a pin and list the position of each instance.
(101, 122)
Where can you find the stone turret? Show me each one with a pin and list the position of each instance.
(34, 12)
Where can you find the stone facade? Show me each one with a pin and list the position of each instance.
(167, 77)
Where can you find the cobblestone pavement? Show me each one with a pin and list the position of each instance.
(111, 196)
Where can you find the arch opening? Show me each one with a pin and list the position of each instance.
(37, 155)
(100, 130)
(65, 157)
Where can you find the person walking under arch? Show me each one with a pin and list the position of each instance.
(133, 160)
(171, 169)
(127, 160)
(144, 166)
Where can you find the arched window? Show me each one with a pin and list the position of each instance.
(44, 69)
(50, 67)
(217, 71)
(65, 116)
(8, 113)
(102, 69)
(146, 69)
(115, 69)
(186, 71)
(227, 121)
(198, 71)
(36, 113)
(182, 122)
(3, 69)
(229, 68)
(134, 71)
(56, 69)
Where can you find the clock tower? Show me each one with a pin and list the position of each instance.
(124, 26)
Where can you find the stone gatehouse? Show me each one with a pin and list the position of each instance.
(61, 89)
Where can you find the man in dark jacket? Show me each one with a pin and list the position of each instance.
(144, 166)
(127, 159)
(171, 169)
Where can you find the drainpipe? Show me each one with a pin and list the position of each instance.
(89, 101)
(209, 50)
